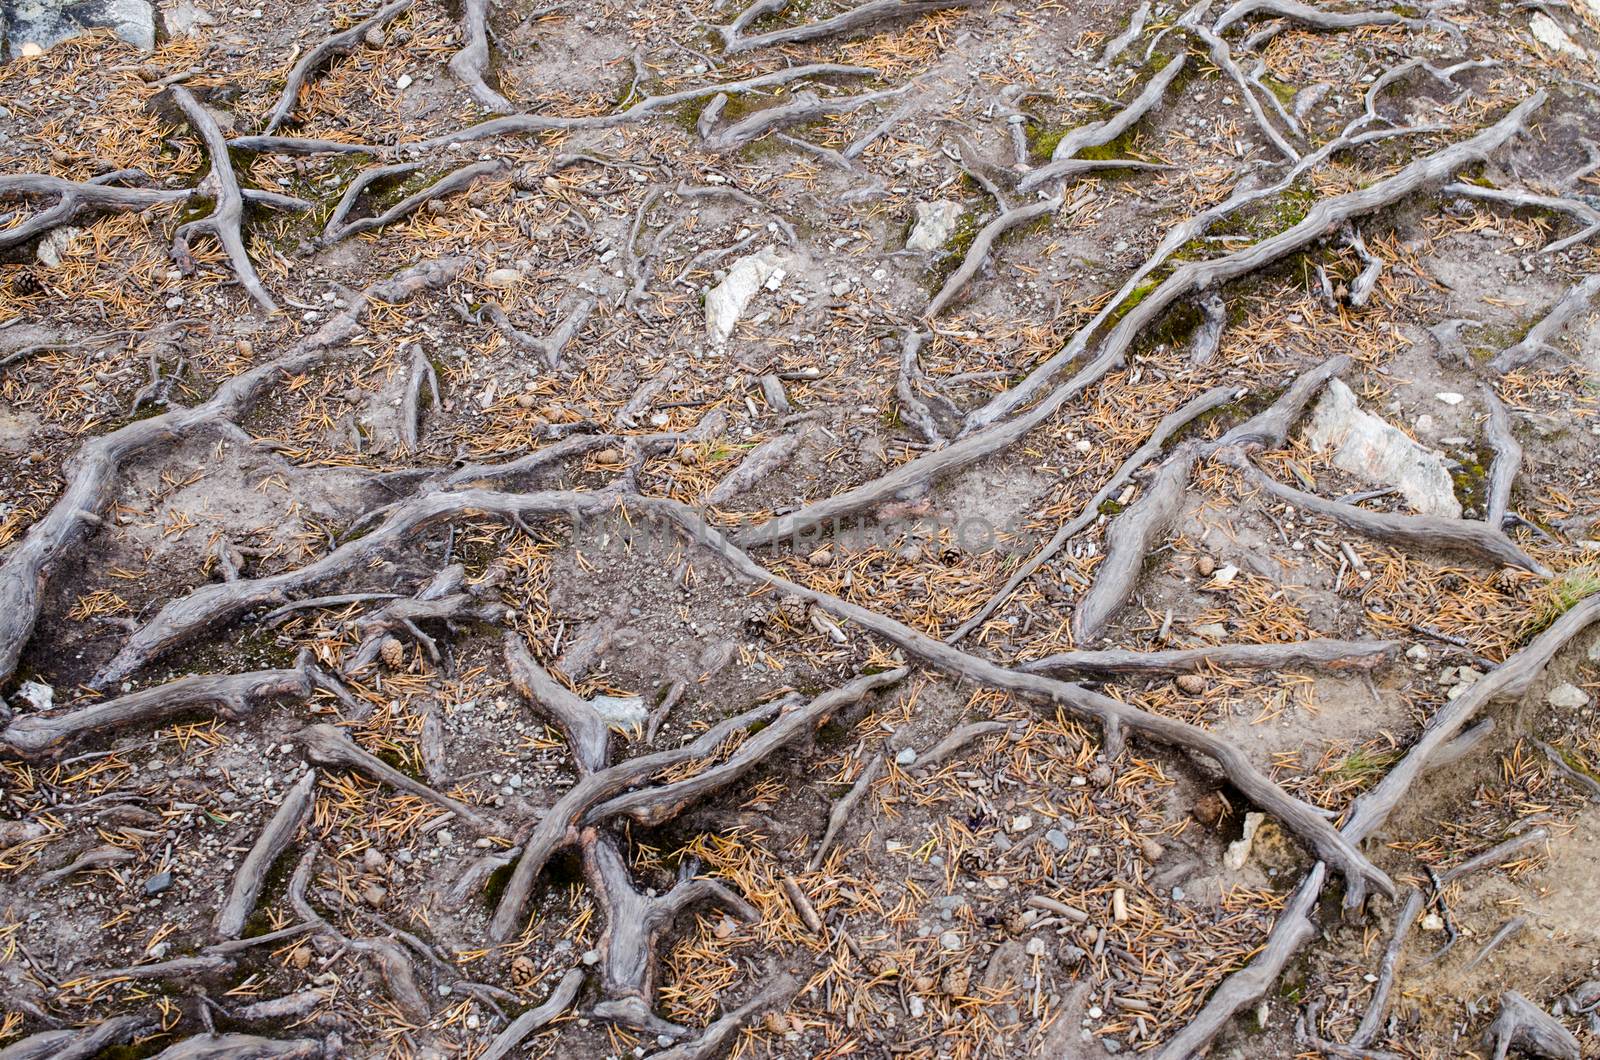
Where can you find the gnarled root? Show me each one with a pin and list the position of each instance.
(1530, 1028)
(1322, 654)
(327, 745)
(341, 43)
(472, 61)
(871, 13)
(274, 839)
(560, 999)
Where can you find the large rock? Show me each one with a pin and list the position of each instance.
(727, 301)
(936, 223)
(1381, 453)
(47, 23)
(185, 18)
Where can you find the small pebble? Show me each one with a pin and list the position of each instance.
(906, 757)
(158, 883)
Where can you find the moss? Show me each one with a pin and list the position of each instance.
(954, 250)
(1471, 481)
(1560, 595)
(1111, 507)
(1283, 90)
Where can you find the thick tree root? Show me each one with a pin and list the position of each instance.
(1129, 540)
(339, 228)
(1378, 1006)
(211, 605)
(74, 199)
(328, 746)
(914, 410)
(421, 371)
(1100, 133)
(341, 43)
(560, 999)
(710, 1042)
(1170, 425)
(1323, 655)
(799, 108)
(1537, 342)
(1526, 1026)
(241, 1047)
(1119, 44)
(735, 41)
(978, 253)
(92, 472)
(472, 61)
(1507, 460)
(646, 108)
(1114, 717)
(228, 214)
(991, 437)
(1467, 537)
(78, 1044)
(274, 839)
(231, 696)
(1511, 680)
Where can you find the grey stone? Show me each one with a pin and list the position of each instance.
(1567, 696)
(185, 18)
(726, 301)
(936, 223)
(49, 22)
(1056, 838)
(158, 883)
(906, 756)
(1375, 450)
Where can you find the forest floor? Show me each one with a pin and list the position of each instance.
(506, 550)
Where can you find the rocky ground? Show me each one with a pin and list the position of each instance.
(917, 529)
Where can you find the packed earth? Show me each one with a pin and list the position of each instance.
(910, 528)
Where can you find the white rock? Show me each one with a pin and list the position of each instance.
(1225, 576)
(39, 24)
(1021, 823)
(1548, 31)
(57, 243)
(624, 712)
(184, 18)
(1374, 450)
(1238, 851)
(1450, 397)
(936, 223)
(1567, 696)
(37, 695)
(403, 82)
(503, 278)
(726, 301)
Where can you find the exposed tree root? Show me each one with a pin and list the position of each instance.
(1119, 44)
(339, 228)
(1537, 342)
(839, 816)
(78, 1044)
(300, 145)
(1587, 784)
(1507, 459)
(709, 1042)
(411, 414)
(560, 999)
(1511, 680)
(1528, 1027)
(228, 214)
(1378, 1006)
(252, 874)
(446, 598)
(1316, 18)
(241, 1047)
(472, 61)
(1208, 336)
(342, 43)
(800, 107)
(988, 436)
(1129, 541)
(1467, 537)
(1517, 197)
(648, 107)
(734, 40)
(74, 199)
(1170, 425)
(231, 696)
(327, 745)
(1100, 133)
(978, 253)
(209, 606)
(549, 350)
(1320, 654)
(1112, 716)
(98, 858)
(957, 741)
(914, 409)
(92, 472)
(1495, 855)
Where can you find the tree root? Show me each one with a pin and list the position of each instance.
(232, 696)
(399, 978)
(1509, 681)
(734, 40)
(92, 472)
(1495, 855)
(1587, 784)
(1208, 336)
(327, 745)
(839, 816)
(800, 107)
(548, 349)
(648, 107)
(589, 738)
(1314, 17)
(651, 807)
(1129, 541)
(1170, 425)
(339, 229)
(411, 413)
(226, 216)
(98, 858)
(1507, 459)
(1530, 1028)
(1119, 44)
(1114, 717)
(300, 145)
(274, 839)
(978, 253)
(1517, 197)
(209, 606)
(1321, 654)
(988, 436)
(1465, 536)
(709, 1042)
(444, 599)
(1100, 133)
(472, 61)
(341, 43)
(560, 999)
(73, 199)
(914, 410)
(79, 1044)
(1537, 342)
(1378, 1006)
(241, 1047)
(956, 741)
